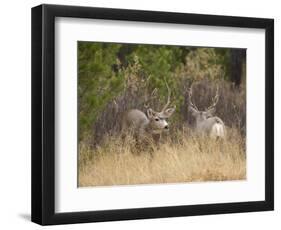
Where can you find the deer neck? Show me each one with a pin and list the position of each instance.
(199, 121)
(150, 130)
(147, 127)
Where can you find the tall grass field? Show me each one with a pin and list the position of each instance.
(188, 159)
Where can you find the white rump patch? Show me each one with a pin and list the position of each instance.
(218, 130)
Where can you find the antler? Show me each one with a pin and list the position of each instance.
(169, 97)
(190, 103)
(215, 99)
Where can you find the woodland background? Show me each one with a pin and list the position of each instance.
(113, 78)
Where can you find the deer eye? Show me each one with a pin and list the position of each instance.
(156, 119)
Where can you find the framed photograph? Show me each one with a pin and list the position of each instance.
(141, 114)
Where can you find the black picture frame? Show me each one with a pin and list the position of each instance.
(43, 114)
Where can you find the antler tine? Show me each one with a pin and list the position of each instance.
(169, 97)
(190, 103)
(215, 99)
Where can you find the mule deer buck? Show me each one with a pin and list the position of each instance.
(148, 126)
(206, 122)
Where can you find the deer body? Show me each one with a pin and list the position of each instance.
(144, 126)
(211, 126)
(147, 125)
(138, 121)
(206, 122)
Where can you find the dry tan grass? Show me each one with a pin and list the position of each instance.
(186, 158)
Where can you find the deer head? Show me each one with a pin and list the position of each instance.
(205, 114)
(158, 120)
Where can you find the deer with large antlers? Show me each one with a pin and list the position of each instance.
(206, 122)
(148, 125)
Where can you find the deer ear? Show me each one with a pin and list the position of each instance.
(193, 110)
(150, 113)
(168, 112)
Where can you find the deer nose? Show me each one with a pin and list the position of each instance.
(166, 127)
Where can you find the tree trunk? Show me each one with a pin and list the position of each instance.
(236, 60)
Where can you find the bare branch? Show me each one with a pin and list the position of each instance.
(149, 98)
(115, 106)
